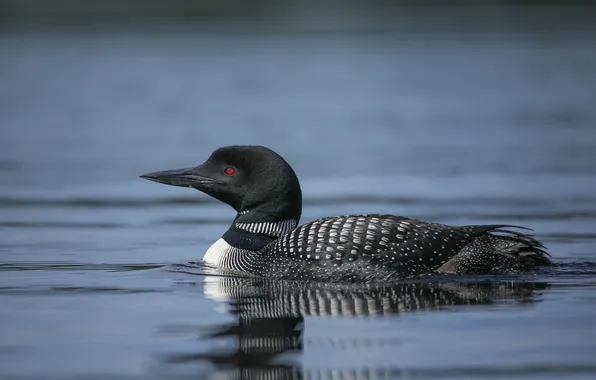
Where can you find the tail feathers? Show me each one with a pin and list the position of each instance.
(485, 228)
(528, 250)
(497, 248)
(525, 240)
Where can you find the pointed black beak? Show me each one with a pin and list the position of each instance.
(187, 177)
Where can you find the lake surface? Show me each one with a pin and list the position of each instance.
(456, 129)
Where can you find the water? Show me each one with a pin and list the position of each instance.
(450, 128)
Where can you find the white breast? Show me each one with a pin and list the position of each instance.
(216, 252)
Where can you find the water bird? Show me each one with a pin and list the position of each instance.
(265, 240)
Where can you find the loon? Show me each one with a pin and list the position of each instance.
(264, 240)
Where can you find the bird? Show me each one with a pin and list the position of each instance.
(265, 240)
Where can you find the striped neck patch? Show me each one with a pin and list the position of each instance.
(268, 228)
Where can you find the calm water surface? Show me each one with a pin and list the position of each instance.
(453, 129)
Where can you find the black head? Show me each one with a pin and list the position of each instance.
(254, 180)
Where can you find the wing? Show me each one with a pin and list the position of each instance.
(360, 247)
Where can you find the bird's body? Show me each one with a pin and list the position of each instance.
(264, 239)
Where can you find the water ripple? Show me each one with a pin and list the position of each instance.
(586, 268)
(333, 199)
(57, 290)
(54, 266)
(60, 224)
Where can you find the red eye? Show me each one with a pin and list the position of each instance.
(229, 170)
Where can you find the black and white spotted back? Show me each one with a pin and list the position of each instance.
(356, 247)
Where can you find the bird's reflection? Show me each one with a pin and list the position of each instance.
(269, 316)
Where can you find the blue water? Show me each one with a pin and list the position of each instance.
(453, 129)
